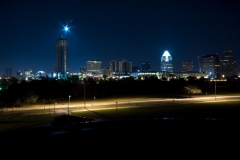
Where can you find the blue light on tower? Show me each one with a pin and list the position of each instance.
(66, 28)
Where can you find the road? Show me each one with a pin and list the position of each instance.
(108, 104)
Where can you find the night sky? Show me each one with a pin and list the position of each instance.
(136, 30)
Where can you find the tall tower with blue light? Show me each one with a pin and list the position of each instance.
(61, 66)
(61, 55)
(166, 62)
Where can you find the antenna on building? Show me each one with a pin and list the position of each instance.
(199, 65)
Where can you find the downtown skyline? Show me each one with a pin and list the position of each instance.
(138, 31)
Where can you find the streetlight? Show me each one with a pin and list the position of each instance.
(1, 120)
(68, 103)
(84, 93)
(173, 109)
(44, 105)
(116, 106)
(215, 90)
(54, 107)
(215, 85)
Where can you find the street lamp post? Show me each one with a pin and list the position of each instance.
(54, 106)
(173, 109)
(69, 103)
(1, 120)
(116, 108)
(84, 94)
(44, 103)
(215, 90)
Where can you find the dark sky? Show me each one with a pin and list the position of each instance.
(137, 30)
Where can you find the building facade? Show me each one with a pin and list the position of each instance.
(83, 70)
(166, 62)
(228, 65)
(94, 68)
(118, 68)
(210, 65)
(106, 72)
(62, 56)
(187, 66)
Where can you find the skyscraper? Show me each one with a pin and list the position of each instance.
(210, 65)
(126, 67)
(166, 62)
(228, 64)
(62, 56)
(114, 67)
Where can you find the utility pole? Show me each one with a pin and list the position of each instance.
(69, 103)
(215, 90)
(116, 108)
(84, 94)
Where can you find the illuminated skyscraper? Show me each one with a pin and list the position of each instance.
(61, 55)
(228, 65)
(166, 62)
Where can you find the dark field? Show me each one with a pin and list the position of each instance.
(144, 125)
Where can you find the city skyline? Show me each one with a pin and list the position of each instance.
(138, 31)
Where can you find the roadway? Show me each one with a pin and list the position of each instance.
(119, 102)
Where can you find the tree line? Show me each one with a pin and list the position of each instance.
(17, 93)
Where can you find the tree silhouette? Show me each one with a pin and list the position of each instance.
(191, 89)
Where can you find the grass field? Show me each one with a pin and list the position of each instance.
(217, 110)
(212, 110)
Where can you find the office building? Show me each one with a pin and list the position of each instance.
(126, 67)
(62, 56)
(114, 67)
(19, 74)
(8, 72)
(228, 65)
(146, 66)
(166, 62)
(210, 65)
(118, 68)
(94, 68)
(187, 66)
(83, 70)
(106, 72)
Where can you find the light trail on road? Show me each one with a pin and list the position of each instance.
(132, 103)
